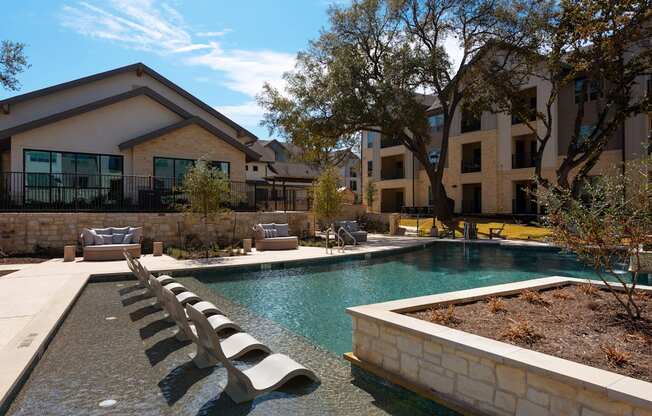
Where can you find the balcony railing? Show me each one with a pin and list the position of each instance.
(523, 160)
(525, 206)
(388, 176)
(20, 191)
(470, 166)
(386, 141)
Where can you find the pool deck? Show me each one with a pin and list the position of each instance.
(35, 299)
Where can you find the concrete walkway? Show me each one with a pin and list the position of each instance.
(35, 299)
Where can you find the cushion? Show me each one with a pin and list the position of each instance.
(352, 226)
(103, 231)
(268, 226)
(117, 238)
(123, 230)
(88, 237)
(137, 234)
(129, 237)
(106, 239)
(282, 230)
(270, 233)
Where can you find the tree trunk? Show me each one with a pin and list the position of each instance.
(441, 203)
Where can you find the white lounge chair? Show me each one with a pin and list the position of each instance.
(245, 385)
(186, 331)
(142, 274)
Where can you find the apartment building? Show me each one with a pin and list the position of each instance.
(490, 163)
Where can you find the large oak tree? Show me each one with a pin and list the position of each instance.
(366, 70)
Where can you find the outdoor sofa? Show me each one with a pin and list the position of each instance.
(353, 229)
(274, 237)
(109, 243)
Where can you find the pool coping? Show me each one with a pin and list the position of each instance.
(392, 314)
(15, 368)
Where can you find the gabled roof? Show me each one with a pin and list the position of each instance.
(94, 106)
(251, 155)
(139, 68)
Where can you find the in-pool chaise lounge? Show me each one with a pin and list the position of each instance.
(274, 237)
(245, 385)
(186, 332)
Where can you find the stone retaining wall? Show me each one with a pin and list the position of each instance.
(23, 232)
(487, 376)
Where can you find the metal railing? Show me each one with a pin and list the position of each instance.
(20, 191)
(469, 166)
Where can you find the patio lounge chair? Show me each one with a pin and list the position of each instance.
(245, 385)
(142, 274)
(109, 243)
(274, 237)
(186, 331)
(352, 234)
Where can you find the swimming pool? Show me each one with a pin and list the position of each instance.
(310, 299)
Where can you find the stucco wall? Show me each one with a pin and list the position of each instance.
(74, 97)
(99, 131)
(190, 142)
(22, 232)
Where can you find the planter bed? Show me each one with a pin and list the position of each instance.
(488, 376)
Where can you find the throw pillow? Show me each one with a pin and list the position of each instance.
(103, 231)
(88, 237)
(118, 238)
(123, 230)
(107, 238)
(282, 230)
(137, 234)
(129, 237)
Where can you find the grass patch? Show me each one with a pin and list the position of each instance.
(511, 231)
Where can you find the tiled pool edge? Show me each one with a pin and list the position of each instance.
(484, 375)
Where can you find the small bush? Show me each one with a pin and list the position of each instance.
(560, 294)
(615, 356)
(533, 297)
(588, 289)
(521, 332)
(443, 316)
(496, 305)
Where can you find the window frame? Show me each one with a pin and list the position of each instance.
(437, 127)
(194, 161)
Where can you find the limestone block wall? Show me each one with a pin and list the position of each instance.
(477, 381)
(23, 232)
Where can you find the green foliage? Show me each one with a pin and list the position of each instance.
(12, 62)
(370, 194)
(207, 190)
(607, 225)
(327, 201)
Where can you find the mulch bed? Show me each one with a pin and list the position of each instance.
(576, 322)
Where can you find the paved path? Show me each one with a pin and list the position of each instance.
(35, 299)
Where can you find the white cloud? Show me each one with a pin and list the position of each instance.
(157, 27)
(248, 114)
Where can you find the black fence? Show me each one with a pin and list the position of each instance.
(21, 191)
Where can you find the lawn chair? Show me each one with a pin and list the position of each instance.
(245, 385)
(186, 331)
(447, 231)
(497, 232)
(142, 274)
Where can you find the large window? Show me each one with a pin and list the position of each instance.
(370, 168)
(170, 171)
(470, 121)
(64, 177)
(371, 136)
(592, 90)
(436, 123)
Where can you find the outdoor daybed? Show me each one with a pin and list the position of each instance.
(108, 243)
(352, 229)
(274, 237)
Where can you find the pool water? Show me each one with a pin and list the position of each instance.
(310, 300)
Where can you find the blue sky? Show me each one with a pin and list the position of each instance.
(221, 51)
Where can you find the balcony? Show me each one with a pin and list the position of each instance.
(523, 160)
(386, 141)
(388, 176)
(525, 206)
(471, 166)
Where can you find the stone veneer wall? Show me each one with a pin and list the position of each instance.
(22, 232)
(476, 381)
